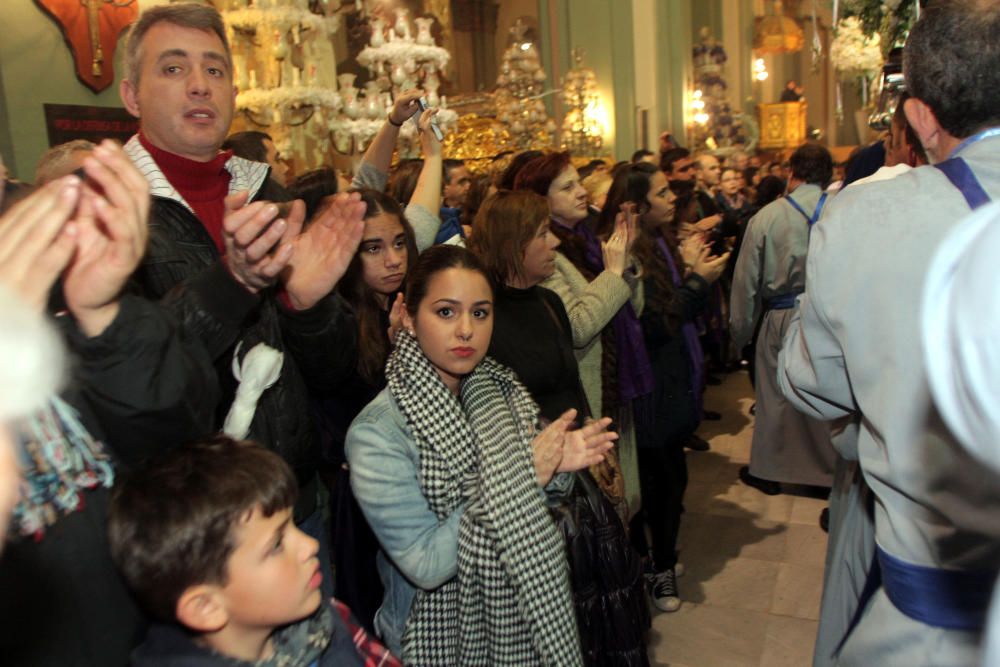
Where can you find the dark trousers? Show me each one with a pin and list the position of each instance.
(663, 479)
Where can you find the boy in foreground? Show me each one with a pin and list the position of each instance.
(205, 540)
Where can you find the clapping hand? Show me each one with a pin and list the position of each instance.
(396, 317)
(258, 247)
(559, 449)
(37, 240)
(324, 250)
(586, 446)
(112, 228)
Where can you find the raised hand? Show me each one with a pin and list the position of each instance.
(405, 106)
(324, 251)
(615, 249)
(586, 446)
(709, 223)
(396, 317)
(257, 246)
(631, 225)
(709, 267)
(548, 446)
(37, 240)
(112, 221)
(428, 141)
(690, 249)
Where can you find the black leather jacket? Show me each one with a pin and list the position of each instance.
(182, 268)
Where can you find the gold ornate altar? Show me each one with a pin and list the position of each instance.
(782, 125)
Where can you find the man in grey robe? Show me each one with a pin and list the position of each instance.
(854, 349)
(788, 446)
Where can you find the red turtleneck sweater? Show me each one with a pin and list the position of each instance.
(203, 185)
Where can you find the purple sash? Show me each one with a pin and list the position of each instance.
(635, 375)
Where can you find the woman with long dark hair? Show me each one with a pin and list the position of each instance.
(676, 280)
(371, 284)
(447, 463)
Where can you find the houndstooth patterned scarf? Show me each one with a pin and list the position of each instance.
(510, 603)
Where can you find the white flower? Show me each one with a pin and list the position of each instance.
(852, 50)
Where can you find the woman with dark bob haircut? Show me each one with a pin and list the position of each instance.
(532, 336)
(598, 285)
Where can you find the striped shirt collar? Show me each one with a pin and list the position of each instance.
(246, 174)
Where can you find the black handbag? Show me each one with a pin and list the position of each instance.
(606, 576)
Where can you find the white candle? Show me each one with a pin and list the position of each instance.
(253, 79)
(296, 76)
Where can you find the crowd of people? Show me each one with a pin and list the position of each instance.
(438, 414)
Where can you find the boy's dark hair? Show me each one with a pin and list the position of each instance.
(248, 145)
(812, 163)
(172, 523)
(668, 159)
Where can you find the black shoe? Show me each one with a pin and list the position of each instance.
(696, 444)
(824, 520)
(765, 486)
(711, 415)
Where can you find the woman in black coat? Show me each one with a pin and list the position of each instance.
(532, 335)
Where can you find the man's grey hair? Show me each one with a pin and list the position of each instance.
(951, 62)
(54, 162)
(185, 15)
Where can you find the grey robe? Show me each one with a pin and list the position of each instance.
(855, 348)
(788, 446)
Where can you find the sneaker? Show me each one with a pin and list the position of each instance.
(663, 590)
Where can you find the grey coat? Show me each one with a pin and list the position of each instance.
(855, 348)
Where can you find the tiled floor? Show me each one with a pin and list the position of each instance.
(754, 562)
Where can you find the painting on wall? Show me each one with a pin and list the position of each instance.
(91, 29)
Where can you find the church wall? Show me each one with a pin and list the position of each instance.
(36, 67)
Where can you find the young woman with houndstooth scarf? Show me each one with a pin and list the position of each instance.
(449, 466)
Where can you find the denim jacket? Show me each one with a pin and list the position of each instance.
(418, 550)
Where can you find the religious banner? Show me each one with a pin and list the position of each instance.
(91, 29)
(66, 122)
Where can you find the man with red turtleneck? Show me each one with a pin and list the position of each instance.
(219, 255)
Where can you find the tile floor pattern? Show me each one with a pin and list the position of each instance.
(754, 562)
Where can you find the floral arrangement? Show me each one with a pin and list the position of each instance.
(399, 51)
(282, 19)
(854, 52)
(257, 99)
(890, 19)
